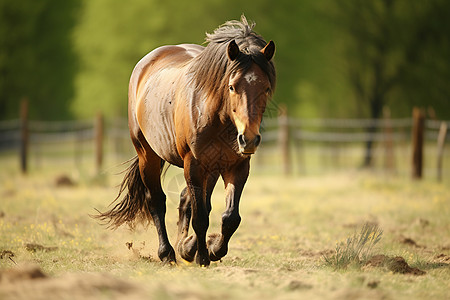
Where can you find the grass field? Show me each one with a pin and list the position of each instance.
(51, 249)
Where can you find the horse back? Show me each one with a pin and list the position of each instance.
(151, 97)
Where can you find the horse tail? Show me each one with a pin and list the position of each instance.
(133, 208)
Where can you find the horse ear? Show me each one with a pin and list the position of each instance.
(233, 50)
(269, 50)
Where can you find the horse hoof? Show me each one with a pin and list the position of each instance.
(188, 248)
(167, 255)
(202, 261)
(217, 248)
(169, 261)
(185, 255)
(213, 257)
(217, 255)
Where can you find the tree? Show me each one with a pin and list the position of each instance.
(37, 60)
(112, 37)
(386, 42)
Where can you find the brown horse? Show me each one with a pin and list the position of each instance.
(198, 108)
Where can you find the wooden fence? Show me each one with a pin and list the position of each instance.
(289, 145)
(293, 140)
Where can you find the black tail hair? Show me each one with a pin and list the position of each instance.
(133, 208)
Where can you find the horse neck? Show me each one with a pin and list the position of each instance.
(224, 110)
(212, 105)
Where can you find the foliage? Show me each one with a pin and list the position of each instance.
(391, 52)
(37, 58)
(357, 249)
(111, 38)
(334, 58)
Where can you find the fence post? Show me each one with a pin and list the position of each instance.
(417, 142)
(283, 138)
(389, 162)
(24, 135)
(440, 148)
(298, 146)
(99, 142)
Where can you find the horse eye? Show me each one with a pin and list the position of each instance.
(231, 88)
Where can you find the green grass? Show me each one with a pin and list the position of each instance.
(288, 226)
(357, 249)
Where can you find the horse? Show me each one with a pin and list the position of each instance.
(198, 108)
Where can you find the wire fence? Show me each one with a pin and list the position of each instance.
(290, 145)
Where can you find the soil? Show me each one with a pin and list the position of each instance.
(138, 252)
(442, 258)
(410, 242)
(373, 284)
(20, 274)
(7, 254)
(36, 247)
(26, 282)
(394, 264)
(64, 181)
(298, 285)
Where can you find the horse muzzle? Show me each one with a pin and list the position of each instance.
(248, 146)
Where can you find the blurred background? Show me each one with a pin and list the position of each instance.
(349, 76)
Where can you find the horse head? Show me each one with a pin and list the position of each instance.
(249, 90)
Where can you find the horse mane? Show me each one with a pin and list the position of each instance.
(211, 69)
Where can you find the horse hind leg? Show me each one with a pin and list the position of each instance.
(150, 170)
(187, 247)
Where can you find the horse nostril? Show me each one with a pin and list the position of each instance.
(257, 140)
(241, 140)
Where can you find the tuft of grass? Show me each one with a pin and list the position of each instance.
(356, 249)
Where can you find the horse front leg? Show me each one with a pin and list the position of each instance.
(187, 245)
(196, 179)
(234, 182)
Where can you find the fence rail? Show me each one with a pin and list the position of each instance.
(288, 138)
(337, 139)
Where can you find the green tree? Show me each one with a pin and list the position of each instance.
(37, 60)
(394, 47)
(113, 36)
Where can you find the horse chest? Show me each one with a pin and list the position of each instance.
(215, 149)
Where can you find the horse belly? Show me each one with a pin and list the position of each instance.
(155, 111)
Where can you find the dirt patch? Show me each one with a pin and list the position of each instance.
(376, 261)
(7, 254)
(29, 282)
(8, 193)
(442, 258)
(394, 264)
(371, 222)
(423, 222)
(138, 252)
(410, 242)
(312, 253)
(2, 214)
(373, 284)
(21, 273)
(129, 245)
(236, 272)
(294, 285)
(399, 265)
(36, 247)
(64, 180)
